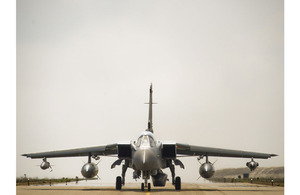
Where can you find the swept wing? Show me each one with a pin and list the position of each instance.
(191, 150)
(106, 150)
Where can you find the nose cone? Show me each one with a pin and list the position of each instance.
(145, 160)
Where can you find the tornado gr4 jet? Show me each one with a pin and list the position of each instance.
(148, 157)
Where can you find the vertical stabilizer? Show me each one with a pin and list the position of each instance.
(150, 111)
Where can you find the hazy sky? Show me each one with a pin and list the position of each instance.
(84, 69)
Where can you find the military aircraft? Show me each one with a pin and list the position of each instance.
(148, 157)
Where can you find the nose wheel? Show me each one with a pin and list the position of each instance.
(145, 185)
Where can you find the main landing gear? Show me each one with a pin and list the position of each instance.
(118, 183)
(120, 180)
(176, 181)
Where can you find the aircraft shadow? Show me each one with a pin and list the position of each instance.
(154, 190)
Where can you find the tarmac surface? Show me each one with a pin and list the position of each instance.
(204, 189)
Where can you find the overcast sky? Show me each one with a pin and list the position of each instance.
(84, 69)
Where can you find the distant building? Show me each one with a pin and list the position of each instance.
(246, 175)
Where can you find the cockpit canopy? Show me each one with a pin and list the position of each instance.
(145, 140)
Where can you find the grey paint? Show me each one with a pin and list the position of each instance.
(217, 67)
(147, 156)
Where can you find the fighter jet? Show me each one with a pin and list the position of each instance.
(148, 157)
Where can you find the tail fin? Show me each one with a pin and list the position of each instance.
(150, 111)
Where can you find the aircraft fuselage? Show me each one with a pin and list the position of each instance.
(147, 156)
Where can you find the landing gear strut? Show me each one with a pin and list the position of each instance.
(146, 176)
(124, 169)
(175, 181)
(120, 180)
(172, 169)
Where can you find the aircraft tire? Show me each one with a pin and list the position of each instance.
(142, 186)
(177, 183)
(118, 183)
(149, 186)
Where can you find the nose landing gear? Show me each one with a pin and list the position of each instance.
(146, 176)
(143, 185)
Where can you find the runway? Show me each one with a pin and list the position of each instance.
(204, 189)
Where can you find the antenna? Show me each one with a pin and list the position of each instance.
(150, 123)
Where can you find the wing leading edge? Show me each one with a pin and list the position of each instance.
(190, 150)
(107, 150)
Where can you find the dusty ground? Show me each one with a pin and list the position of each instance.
(205, 189)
